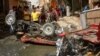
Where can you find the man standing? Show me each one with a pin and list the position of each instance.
(35, 16)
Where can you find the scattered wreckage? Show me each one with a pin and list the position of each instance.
(78, 43)
(20, 28)
(85, 42)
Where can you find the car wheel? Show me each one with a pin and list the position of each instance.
(10, 19)
(48, 29)
(34, 29)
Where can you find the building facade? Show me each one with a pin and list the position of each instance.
(5, 5)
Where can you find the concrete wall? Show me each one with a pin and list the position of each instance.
(93, 16)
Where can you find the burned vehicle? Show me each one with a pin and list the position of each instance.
(16, 25)
(30, 27)
(20, 28)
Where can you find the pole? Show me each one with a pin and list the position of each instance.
(72, 7)
(81, 5)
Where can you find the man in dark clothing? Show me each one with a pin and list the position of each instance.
(19, 26)
(19, 13)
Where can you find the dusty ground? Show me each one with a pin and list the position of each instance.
(38, 50)
(11, 47)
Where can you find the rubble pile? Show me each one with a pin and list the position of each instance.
(67, 21)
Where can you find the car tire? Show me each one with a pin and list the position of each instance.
(48, 29)
(10, 19)
(34, 29)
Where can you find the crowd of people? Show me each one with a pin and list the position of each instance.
(38, 14)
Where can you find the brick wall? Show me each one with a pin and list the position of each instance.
(13, 3)
(93, 17)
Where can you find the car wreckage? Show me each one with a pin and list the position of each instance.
(20, 27)
(79, 43)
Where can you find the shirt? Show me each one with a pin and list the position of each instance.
(26, 15)
(35, 16)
